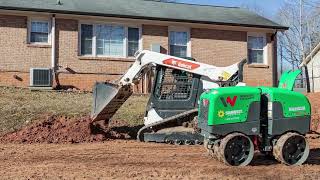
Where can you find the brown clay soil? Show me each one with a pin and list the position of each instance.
(63, 148)
(314, 99)
(66, 148)
(61, 130)
(122, 159)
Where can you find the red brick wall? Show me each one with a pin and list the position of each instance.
(16, 79)
(155, 35)
(90, 69)
(16, 54)
(223, 48)
(217, 47)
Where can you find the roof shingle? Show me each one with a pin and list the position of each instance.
(152, 10)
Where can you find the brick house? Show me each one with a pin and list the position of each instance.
(86, 41)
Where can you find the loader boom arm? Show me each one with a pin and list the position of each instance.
(146, 59)
(108, 98)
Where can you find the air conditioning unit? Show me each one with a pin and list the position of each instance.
(41, 77)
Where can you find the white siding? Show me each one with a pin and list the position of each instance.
(314, 73)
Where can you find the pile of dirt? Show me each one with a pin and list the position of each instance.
(59, 129)
(315, 104)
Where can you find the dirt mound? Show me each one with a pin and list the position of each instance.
(315, 103)
(58, 129)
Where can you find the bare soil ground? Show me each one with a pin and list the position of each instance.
(315, 104)
(53, 139)
(21, 107)
(61, 130)
(121, 159)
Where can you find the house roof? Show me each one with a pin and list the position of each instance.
(312, 54)
(147, 9)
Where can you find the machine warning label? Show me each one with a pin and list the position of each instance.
(181, 64)
(226, 75)
(293, 109)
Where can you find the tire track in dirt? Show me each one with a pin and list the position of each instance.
(120, 159)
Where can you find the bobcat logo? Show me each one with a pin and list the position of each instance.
(228, 100)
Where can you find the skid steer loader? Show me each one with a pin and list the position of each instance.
(173, 102)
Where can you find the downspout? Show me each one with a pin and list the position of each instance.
(53, 50)
(275, 60)
(53, 43)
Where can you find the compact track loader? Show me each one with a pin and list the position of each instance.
(236, 121)
(173, 102)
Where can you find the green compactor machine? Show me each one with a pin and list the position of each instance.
(237, 121)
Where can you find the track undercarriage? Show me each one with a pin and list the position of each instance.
(180, 129)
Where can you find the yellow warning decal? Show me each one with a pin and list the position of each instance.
(226, 75)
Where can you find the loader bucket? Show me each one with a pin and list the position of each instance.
(107, 99)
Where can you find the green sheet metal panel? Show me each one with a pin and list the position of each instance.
(294, 104)
(229, 105)
(288, 79)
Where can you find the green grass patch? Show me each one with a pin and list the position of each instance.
(20, 107)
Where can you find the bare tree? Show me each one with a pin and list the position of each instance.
(304, 33)
(303, 20)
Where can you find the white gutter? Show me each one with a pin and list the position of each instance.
(53, 43)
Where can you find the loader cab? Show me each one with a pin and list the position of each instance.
(174, 91)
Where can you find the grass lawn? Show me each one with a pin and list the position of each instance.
(20, 107)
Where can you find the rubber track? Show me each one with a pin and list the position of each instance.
(172, 118)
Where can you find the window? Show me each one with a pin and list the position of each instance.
(86, 39)
(179, 43)
(256, 49)
(133, 41)
(109, 40)
(39, 31)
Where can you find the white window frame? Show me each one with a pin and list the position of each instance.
(39, 19)
(265, 47)
(180, 29)
(94, 44)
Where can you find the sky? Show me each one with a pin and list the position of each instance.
(269, 7)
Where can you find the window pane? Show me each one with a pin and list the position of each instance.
(41, 27)
(133, 41)
(39, 37)
(255, 42)
(178, 38)
(86, 39)
(178, 43)
(110, 40)
(179, 51)
(256, 56)
(39, 31)
(117, 41)
(103, 33)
